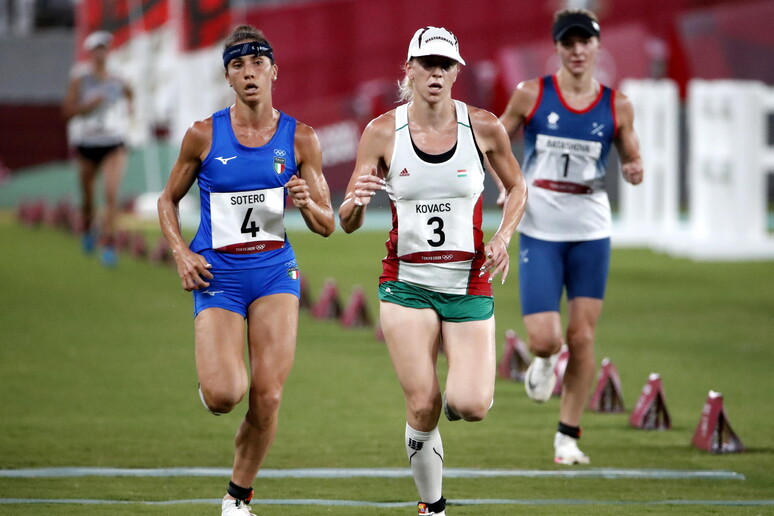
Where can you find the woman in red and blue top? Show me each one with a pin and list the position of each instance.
(240, 266)
(570, 121)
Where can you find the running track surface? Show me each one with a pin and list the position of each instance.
(607, 473)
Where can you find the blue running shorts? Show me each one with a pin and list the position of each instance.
(235, 290)
(545, 268)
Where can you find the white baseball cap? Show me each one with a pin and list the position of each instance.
(96, 39)
(435, 41)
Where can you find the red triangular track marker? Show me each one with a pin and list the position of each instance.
(650, 412)
(515, 360)
(607, 397)
(356, 313)
(559, 368)
(328, 306)
(305, 298)
(714, 432)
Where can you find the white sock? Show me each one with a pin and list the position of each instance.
(425, 453)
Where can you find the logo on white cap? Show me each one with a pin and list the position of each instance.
(96, 39)
(435, 41)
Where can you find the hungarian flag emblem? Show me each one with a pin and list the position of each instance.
(279, 165)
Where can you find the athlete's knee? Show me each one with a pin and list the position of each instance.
(264, 406)
(544, 344)
(219, 399)
(580, 339)
(425, 408)
(473, 411)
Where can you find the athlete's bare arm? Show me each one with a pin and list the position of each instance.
(191, 267)
(370, 168)
(521, 104)
(496, 145)
(129, 95)
(71, 107)
(308, 190)
(626, 140)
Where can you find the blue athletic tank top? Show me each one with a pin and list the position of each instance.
(243, 199)
(565, 159)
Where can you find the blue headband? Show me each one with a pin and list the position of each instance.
(247, 49)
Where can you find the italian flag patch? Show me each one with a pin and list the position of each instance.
(279, 165)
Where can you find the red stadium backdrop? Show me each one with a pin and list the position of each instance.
(204, 22)
(123, 18)
(334, 47)
(339, 60)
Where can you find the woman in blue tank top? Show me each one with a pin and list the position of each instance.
(570, 121)
(240, 265)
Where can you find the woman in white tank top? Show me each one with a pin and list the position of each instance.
(97, 106)
(428, 155)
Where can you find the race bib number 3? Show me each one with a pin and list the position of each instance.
(436, 231)
(248, 222)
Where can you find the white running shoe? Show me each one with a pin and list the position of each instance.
(422, 510)
(566, 451)
(231, 507)
(540, 379)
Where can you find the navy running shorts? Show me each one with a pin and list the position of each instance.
(546, 268)
(97, 154)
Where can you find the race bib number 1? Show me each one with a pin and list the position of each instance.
(248, 222)
(565, 164)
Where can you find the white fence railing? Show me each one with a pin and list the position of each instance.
(649, 212)
(729, 158)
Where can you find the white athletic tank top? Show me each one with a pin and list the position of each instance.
(108, 123)
(436, 240)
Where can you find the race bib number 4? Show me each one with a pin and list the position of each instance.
(436, 231)
(566, 164)
(248, 222)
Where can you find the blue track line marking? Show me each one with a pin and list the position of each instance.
(609, 473)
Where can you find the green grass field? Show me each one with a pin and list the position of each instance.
(97, 370)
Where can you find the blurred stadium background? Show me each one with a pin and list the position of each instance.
(96, 366)
(339, 60)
